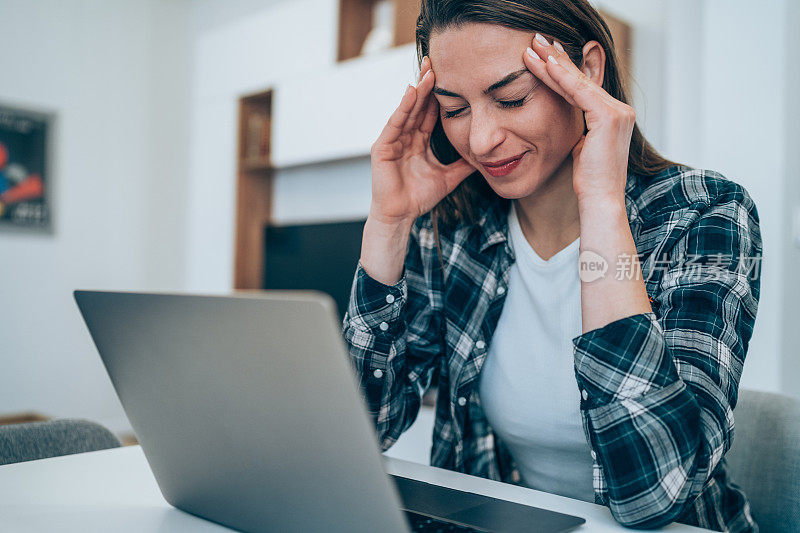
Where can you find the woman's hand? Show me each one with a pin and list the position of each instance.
(600, 157)
(407, 179)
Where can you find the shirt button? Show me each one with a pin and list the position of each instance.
(594, 455)
(389, 298)
(462, 401)
(480, 345)
(584, 395)
(501, 291)
(384, 326)
(379, 374)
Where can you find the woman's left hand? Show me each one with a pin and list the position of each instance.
(600, 157)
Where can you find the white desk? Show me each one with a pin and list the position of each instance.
(114, 490)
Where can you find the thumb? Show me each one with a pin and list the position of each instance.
(576, 151)
(457, 172)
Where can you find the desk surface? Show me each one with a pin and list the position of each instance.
(114, 490)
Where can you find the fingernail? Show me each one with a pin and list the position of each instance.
(542, 40)
(533, 54)
(427, 74)
(558, 46)
(552, 59)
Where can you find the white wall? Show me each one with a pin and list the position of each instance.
(118, 204)
(727, 109)
(735, 126)
(341, 191)
(647, 62)
(790, 288)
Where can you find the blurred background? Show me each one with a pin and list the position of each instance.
(207, 145)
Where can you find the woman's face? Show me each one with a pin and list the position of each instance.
(493, 108)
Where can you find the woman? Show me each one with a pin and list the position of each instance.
(586, 304)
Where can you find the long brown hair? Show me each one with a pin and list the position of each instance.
(571, 22)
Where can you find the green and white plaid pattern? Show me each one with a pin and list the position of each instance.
(658, 388)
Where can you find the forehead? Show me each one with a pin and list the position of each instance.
(476, 54)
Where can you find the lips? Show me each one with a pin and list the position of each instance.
(503, 167)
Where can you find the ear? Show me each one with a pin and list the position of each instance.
(594, 62)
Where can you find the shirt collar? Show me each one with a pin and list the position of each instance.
(493, 222)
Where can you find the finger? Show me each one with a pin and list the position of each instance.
(456, 172)
(536, 57)
(423, 68)
(431, 114)
(564, 60)
(538, 67)
(423, 91)
(575, 86)
(578, 148)
(396, 123)
(581, 89)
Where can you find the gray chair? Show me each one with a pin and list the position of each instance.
(765, 458)
(39, 440)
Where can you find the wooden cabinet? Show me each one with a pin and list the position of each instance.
(356, 21)
(253, 188)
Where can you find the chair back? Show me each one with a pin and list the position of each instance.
(39, 440)
(765, 458)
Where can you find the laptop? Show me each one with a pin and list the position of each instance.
(248, 412)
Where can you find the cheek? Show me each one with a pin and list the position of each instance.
(457, 131)
(546, 121)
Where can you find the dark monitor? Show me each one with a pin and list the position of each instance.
(314, 256)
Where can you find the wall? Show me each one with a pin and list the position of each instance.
(648, 60)
(118, 182)
(731, 107)
(742, 124)
(790, 288)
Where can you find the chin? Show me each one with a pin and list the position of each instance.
(512, 189)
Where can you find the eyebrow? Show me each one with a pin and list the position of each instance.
(493, 87)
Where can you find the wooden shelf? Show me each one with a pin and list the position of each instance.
(256, 164)
(22, 418)
(356, 19)
(253, 189)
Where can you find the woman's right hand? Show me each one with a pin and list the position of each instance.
(407, 178)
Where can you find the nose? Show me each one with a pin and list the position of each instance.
(486, 132)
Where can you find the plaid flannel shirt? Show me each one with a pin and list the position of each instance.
(658, 388)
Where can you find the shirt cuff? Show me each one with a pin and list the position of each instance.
(624, 359)
(374, 306)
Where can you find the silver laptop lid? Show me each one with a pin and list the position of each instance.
(246, 408)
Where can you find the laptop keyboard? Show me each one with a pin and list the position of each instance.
(427, 524)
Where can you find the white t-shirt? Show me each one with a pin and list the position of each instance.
(527, 384)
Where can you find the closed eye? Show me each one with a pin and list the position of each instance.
(505, 104)
(451, 114)
(511, 103)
